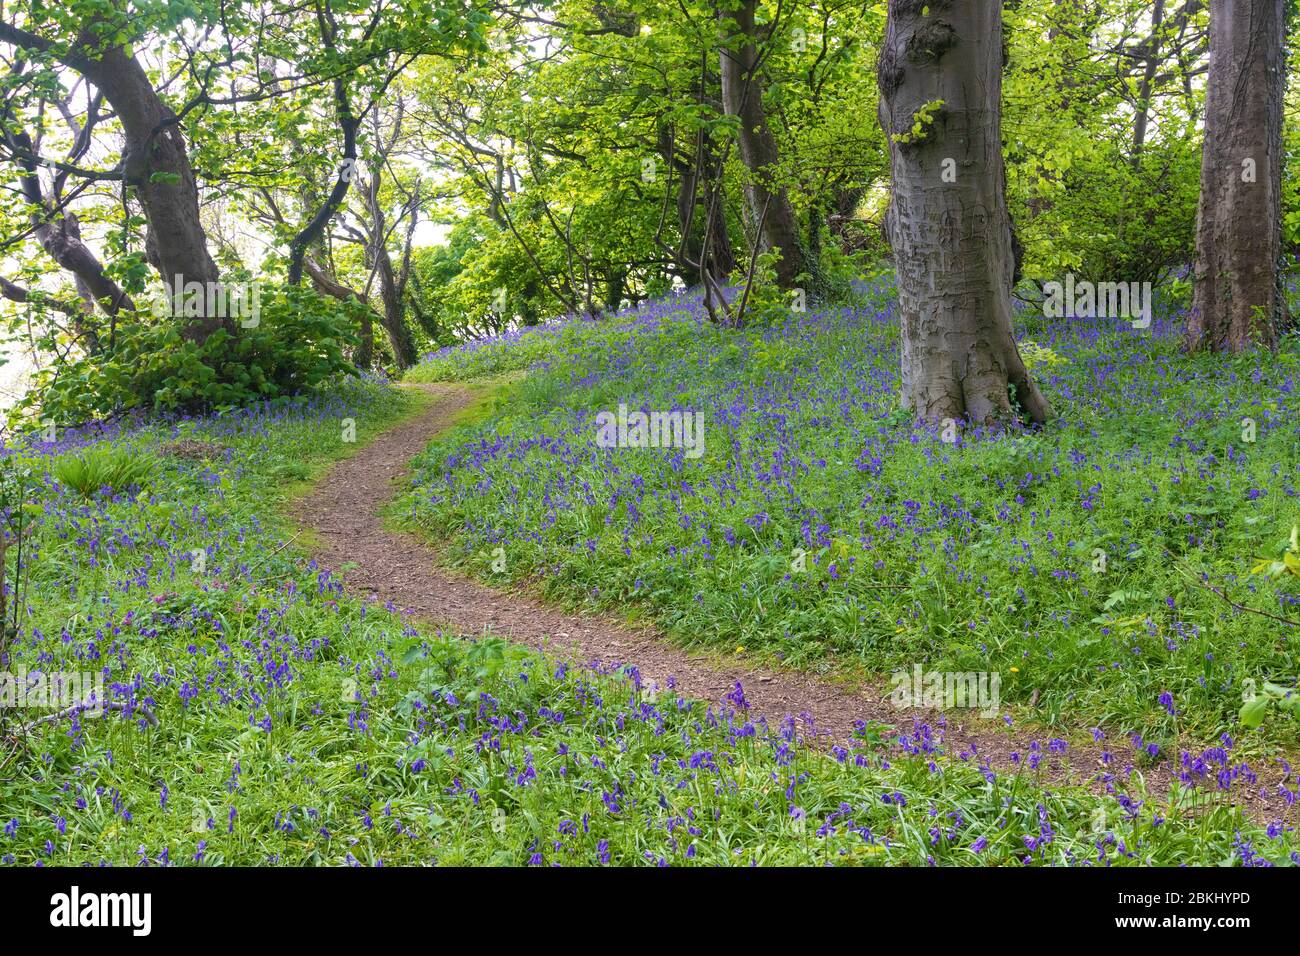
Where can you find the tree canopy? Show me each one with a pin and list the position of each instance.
(438, 170)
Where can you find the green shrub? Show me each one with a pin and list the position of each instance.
(298, 343)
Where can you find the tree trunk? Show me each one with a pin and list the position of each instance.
(393, 317)
(313, 232)
(1237, 301)
(313, 243)
(695, 191)
(615, 285)
(156, 164)
(364, 355)
(947, 222)
(1142, 113)
(528, 311)
(742, 97)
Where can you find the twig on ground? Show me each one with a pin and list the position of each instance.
(80, 706)
(274, 553)
(1191, 576)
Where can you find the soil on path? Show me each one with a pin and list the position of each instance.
(343, 511)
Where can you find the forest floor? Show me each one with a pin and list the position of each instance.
(344, 515)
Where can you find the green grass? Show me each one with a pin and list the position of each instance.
(296, 726)
(513, 352)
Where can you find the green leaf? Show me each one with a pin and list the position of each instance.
(1253, 711)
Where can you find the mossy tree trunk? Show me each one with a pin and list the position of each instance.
(940, 76)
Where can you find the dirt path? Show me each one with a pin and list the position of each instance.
(343, 511)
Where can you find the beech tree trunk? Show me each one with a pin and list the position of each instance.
(742, 96)
(1237, 300)
(947, 222)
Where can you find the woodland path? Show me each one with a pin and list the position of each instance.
(343, 512)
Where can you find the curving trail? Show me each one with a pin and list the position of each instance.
(343, 512)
